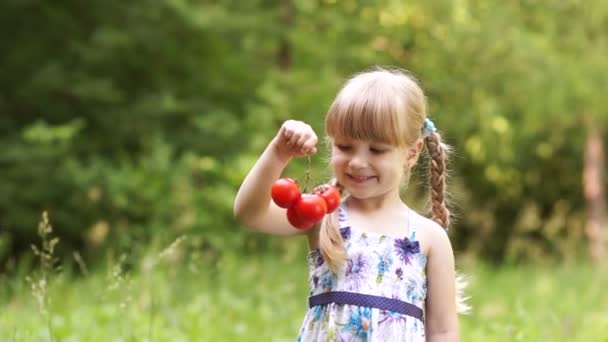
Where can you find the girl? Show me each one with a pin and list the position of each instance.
(378, 270)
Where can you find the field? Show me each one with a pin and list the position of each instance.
(168, 297)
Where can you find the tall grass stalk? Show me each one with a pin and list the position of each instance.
(40, 282)
(169, 253)
(81, 264)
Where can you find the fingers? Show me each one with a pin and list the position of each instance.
(298, 137)
(308, 143)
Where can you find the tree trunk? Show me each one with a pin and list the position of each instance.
(594, 194)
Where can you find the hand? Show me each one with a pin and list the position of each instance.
(295, 139)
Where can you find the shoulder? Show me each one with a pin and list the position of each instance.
(430, 234)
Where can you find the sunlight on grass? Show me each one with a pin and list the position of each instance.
(263, 298)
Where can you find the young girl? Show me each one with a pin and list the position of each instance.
(378, 270)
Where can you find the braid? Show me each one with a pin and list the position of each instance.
(331, 242)
(437, 152)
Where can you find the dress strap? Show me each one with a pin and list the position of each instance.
(411, 224)
(342, 216)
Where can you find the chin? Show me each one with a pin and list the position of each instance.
(358, 194)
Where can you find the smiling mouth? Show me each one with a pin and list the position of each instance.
(360, 179)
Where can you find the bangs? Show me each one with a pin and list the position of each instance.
(373, 114)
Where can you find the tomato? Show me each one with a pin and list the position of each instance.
(304, 210)
(311, 208)
(331, 195)
(297, 221)
(285, 192)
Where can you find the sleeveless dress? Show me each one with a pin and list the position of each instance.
(377, 295)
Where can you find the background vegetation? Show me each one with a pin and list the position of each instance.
(133, 124)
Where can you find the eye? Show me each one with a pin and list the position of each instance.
(343, 147)
(376, 150)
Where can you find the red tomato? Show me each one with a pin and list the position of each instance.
(311, 208)
(285, 192)
(331, 195)
(296, 220)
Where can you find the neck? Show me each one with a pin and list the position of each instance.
(369, 205)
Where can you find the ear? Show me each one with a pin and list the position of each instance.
(413, 152)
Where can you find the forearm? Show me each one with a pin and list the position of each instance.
(253, 197)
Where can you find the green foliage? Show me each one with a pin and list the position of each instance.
(111, 110)
(130, 121)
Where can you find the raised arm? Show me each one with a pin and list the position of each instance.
(253, 206)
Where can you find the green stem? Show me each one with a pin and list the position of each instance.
(307, 174)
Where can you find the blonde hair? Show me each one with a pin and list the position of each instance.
(380, 105)
(387, 106)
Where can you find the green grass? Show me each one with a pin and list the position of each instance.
(537, 303)
(263, 298)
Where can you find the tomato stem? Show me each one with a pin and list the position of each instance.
(307, 174)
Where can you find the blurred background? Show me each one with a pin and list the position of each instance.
(132, 124)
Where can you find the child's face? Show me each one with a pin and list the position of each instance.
(368, 169)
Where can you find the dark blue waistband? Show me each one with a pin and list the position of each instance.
(364, 300)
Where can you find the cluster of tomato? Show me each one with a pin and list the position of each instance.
(304, 210)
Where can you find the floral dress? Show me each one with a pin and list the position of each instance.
(378, 295)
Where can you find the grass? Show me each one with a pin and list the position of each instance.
(174, 296)
(538, 303)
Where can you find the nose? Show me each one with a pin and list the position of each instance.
(358, 161)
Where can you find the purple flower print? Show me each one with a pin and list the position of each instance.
(345, 232)
(406, 249)
(391, 317)
(399, 273)
(356, 270)
(356, 265)
(315, 258)
(319, 259)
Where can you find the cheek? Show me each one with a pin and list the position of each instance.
(335, 160)
(396, 167)
(338, 162)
